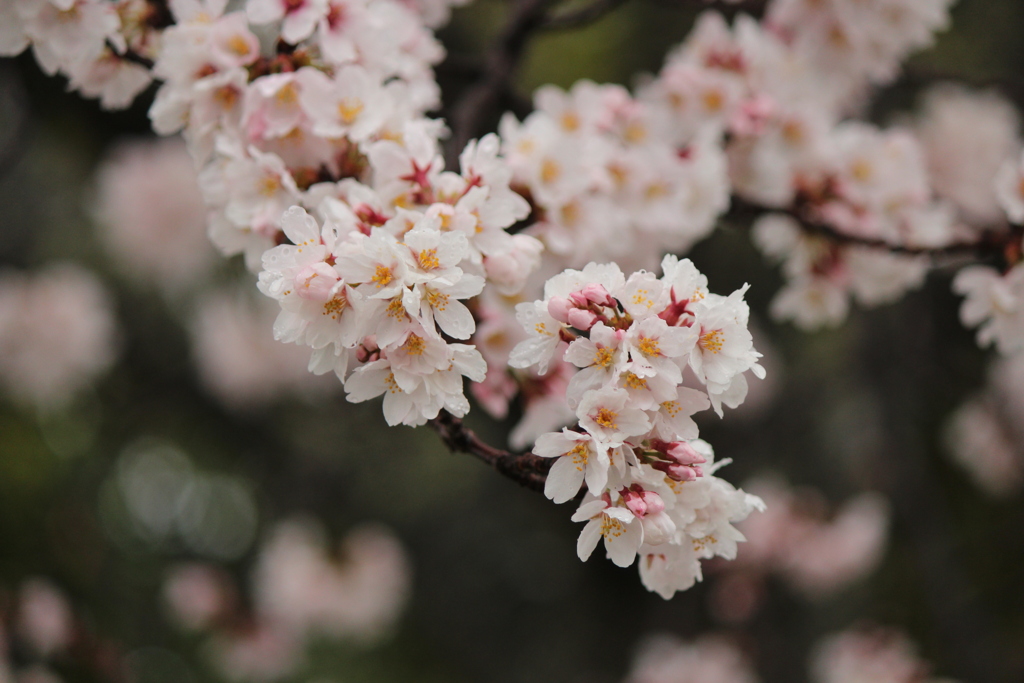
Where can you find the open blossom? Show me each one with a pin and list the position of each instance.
(967, 138)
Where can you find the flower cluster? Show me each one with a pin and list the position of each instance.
(299, 593)
(87, 41)
(635, 449)
(379, 302)
(615, 177)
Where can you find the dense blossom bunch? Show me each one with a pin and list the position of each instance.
(615, 177)
(306, 121)
(636, 450)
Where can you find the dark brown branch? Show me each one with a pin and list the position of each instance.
(992, 245)
(480, 100)
(582, 16)
(131, 56)
(525, 468)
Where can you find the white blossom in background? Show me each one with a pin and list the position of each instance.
(967, 137)
(197, 594)
(985, 435)
(301, 591)
(816, 550)
(709, 659)
(822, 276)
(877, 655)
(151, 215)
(57, 333)
(649, 482)
(1009, 187)
(237, 357)
(44, 617)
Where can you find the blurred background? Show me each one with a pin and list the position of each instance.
(180, 501)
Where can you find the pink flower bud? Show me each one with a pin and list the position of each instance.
(597, 294)
(581, 319)
(678, 472)
(316, 282)
(678, 451)
(634, 499)
(559, 307)
(579, 299)
(655, 504)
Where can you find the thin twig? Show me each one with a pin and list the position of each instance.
(991, 245)
(480, 100)
(525, 468)
(582, 16)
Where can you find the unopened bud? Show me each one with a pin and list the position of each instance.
(559, 307)
(634, 500)
(581, 319)
(597, 294)
(678, 472)
(678, 451)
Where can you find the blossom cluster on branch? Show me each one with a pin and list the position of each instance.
(307, 122)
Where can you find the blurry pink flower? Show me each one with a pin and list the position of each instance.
(44, 617)
(711, 659)
(238, 358)
(197, 594)
(151, 213)
(816, 555)
(856, 656)
(56, 333)
(300, 588)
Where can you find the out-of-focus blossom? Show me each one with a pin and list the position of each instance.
(238, 358)
(875, 655)
(258, 652)
(818, 555)
(967, 137)
(710, 659)
(197, 594)
(45, 620)
(985, 435)
(299, 586)
(994, 303)
(300, 591)
(57, 332)
(151, 214)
